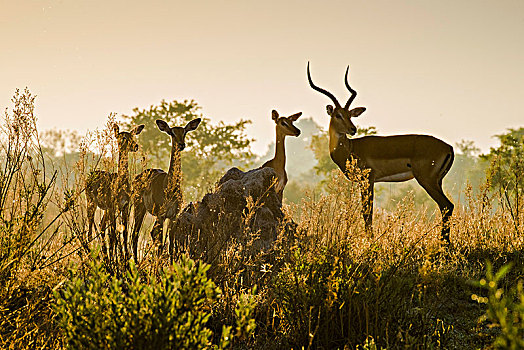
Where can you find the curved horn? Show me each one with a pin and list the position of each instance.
(325, 92)
(353, 92)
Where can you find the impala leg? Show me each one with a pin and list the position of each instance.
(175, 246)
(157, 234)
(103, 226)
(367, 205)
(434, 189)
(112, 237)
(119, 246)
(140, 212)
(125, 217)
(171, 235)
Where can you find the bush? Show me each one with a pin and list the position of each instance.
(505, 309)
(171, 312)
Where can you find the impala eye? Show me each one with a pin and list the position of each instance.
(284, 123)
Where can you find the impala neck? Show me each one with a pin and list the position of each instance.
(279, 161)
(123, 169)
(174, 174)
(336, 139)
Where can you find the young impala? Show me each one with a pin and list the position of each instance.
(388, 158)
(284, 127)
(112, 192)
(158, 192)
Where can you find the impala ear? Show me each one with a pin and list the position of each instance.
(295, 116)
(329, 109)
(163, 126)
(274, 115)
(138, 129)
(192, 125)
(355, 112)
(116, 129)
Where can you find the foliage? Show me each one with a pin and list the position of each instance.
(132, 312)
(505, 308)
(58, 142)
(244, 313)
(210, 148)
(507, 161)
(468, 167)
(369, 344)
(467, 148)
(506, 172)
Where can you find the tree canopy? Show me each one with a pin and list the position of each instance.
(506, 170)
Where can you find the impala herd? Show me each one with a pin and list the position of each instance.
(383, 158)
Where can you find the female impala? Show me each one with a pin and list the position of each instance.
(158, 192)
(388, 158)
(284, 127)
(112, 192)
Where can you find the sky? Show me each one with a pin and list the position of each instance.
(452, 69)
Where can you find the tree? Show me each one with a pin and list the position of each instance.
(468, 167)
(57, 142)
(211, 148)
(467, 148)
(506, 170)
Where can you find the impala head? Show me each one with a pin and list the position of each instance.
(285, 124)
(340, 115)
(178, 133)
(126, 139)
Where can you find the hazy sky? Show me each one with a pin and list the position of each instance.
(453, 69)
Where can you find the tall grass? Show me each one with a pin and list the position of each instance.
(26, 233)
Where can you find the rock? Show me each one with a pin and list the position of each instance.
(244, 207)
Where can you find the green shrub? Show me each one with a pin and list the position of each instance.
(244, 312)
(369, 344)
(171, 312)
(505, 309)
